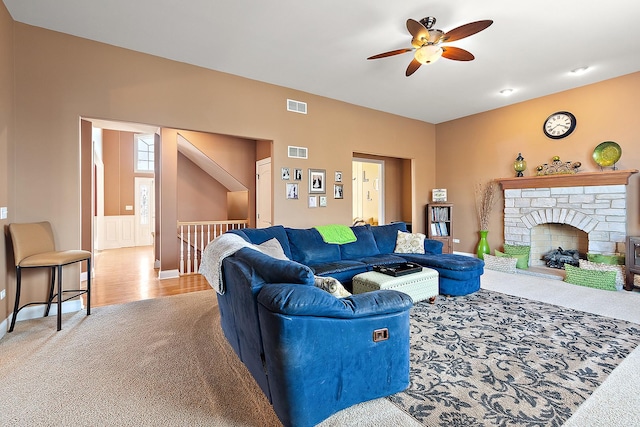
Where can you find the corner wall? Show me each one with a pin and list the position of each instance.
(6, 136)
(484, 146)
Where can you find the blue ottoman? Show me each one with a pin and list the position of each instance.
(459, 274)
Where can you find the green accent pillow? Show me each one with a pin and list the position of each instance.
(516, 249)
(606, 259)
(591, 278)
(523, 259)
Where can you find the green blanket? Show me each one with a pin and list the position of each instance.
(336, 233)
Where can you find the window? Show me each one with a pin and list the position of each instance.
(144, 145)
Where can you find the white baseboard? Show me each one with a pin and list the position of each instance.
(169, 274)
(37, 311)
(4, 325)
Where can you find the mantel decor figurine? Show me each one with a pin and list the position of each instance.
(558, 167)
(520, 165)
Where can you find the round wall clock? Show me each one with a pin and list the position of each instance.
(559, 125)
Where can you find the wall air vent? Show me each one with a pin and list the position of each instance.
(296, 106)
(298, 152)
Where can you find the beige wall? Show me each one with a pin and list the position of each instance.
(6, 135)
(484, 146)
(60, 78)
(200, 197)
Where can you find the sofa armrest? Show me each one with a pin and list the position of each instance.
(432, 246)
(295, 300)
(274, 270)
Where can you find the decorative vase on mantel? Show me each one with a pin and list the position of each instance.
(483, 244)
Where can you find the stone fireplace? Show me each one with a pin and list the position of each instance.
(588, 209)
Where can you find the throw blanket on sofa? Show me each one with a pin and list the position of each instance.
(215, 252)
(336, 233)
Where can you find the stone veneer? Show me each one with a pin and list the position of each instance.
(599, 211)
(593, 202)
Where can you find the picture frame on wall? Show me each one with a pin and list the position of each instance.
(285, 173)
(338, 191)
(297, 174)
(317, 181)
(292, 190)
(313, 201)
(338, 176)
(323, 201)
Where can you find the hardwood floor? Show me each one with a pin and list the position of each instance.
(127, 274)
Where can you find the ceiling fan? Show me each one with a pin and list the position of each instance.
(427, 42)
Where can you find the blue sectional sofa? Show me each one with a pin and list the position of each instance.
(311, 353)
(458, 274)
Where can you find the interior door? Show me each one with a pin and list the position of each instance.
(368, 191)
(144, 211)
(263, 193)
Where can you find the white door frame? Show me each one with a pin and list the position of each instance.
(143, 232)
(263, 193)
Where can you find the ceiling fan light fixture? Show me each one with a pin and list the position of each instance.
(428, 54)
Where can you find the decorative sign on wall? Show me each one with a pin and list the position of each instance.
(439, 195)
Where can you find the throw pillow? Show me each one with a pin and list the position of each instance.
(504, 264)
(591, 278)
(606, 259)
(331, 285)
(273, 248)
(517, 250)
(522, 259)
(619, 269)
(409, 243)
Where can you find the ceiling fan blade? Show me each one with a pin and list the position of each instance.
(413, 66)
(416, 29)
(456, 54)
(466, 30)
(391, 53)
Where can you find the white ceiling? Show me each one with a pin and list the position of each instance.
(320, 47)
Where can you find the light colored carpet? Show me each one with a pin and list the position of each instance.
(164, 362)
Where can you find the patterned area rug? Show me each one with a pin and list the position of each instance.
(490, 359)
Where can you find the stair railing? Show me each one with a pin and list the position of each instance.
(196, 235)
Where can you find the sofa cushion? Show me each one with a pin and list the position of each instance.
(386, 235)
(342, 270)
(382, 259)
(409, 243)
(260, 235)
(364, 246)
(452, 266)
(273, 248)
(308, 247)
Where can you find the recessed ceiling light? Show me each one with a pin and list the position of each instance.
(506, 92)
(580, 70)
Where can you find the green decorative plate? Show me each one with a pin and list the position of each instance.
(607, 153)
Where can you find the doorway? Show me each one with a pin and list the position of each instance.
(368, 191)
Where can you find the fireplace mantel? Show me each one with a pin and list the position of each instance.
(580, 179)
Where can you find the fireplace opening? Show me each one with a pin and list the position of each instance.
(557, 258)
(561, 242)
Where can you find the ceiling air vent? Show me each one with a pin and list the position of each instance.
(298, 152)
(296, 106)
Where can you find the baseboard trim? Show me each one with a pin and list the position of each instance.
(4, 325)
(37, 311)
(169, 274)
